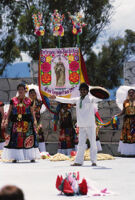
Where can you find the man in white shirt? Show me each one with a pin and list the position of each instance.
(85, 121)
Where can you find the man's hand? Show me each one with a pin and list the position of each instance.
(52, 97)
(35, 123)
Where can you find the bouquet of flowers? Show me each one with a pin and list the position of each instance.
(37, 20)
(78, 24)
(57, 20)
(71, 185)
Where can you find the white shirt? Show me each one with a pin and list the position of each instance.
(85, 114)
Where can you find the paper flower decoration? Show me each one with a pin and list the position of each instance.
(37, 20)
(45, 155)
(78, 24)
(70, 185)
(57, 19)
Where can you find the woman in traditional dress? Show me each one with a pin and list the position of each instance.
(67, 132)
(2, 138)
(22, 137)
(127, 139)
(37, 104)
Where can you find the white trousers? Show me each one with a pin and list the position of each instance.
(84, 133)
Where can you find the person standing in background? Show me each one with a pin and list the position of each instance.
(37, 104)
(67, 132)
(127, 139)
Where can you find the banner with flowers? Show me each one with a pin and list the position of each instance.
(61, 72)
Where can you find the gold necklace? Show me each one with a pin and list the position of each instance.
(20, 105)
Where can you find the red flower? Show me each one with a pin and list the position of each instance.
(37, 33)
(27, 101)
(15, 101)
(73, 153)
(46, 78)
(74, 66)
(74, 77)
(45, 67)
(83, 187)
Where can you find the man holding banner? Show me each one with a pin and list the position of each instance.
(85, 121)
(60, 73)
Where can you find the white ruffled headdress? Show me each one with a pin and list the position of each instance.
(122, 94)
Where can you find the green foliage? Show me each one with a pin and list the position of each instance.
(103, 69)
(19, 20)
(9, 51)
(106, 68)
(129, 42)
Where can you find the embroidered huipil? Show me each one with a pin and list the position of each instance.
(20, 128)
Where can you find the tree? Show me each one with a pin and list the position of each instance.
(106, 68)
(129, 43)
(19, 27)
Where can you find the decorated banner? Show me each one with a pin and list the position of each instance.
(60, 73)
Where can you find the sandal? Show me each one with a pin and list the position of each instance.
(76, 164)
(94, 164)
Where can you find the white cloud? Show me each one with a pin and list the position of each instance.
(25, 58)
(123, 18)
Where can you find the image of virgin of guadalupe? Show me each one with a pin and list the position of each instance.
(59, 69)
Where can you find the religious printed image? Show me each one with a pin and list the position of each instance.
(60, 73)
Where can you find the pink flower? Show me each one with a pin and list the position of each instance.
(27, 101)
(74, 66)
(15, 101)
(45, 67)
